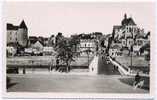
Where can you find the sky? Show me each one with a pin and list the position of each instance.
(47, 18)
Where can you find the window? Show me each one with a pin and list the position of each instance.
(88, 45)
(130, 29)
(123, 42)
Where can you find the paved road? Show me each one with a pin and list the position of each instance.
(70, 83)
(106, 69)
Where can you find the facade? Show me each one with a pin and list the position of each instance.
(141, 41)
(11, 51)
(17, 34)
(115, 51)
(129, 34)
(128, 28)
(106, 40)
(43, 40)
(32, 40)
(124, 42)
(49, 51)
(87, 44)
(136, 50)
(130, 42)
(28, 50)
(38, 46)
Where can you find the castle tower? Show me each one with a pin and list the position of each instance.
(22, 34)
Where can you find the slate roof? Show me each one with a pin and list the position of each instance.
(128, 21)
(148, 34)
(33, 39)
(129, 37)
(86, 36)
(39, 42)
(11, 27)
(115, 47)
(23, 25)
(122, 37)
(14, 27)
(140, 36)
(117, 27)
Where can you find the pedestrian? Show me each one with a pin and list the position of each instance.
(57, 64)
(137, 79)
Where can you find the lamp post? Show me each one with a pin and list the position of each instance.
(131, 50)
(88, 55)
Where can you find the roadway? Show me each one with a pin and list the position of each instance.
(106, 69)
(69, 83)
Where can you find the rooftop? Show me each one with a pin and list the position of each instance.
(127, 21)
(14, 27)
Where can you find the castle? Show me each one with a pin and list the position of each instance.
(17, 34)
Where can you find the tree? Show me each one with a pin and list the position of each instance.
(87, 52)
(75, 40)
(58, 38)
(65, 52)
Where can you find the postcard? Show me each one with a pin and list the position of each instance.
(78, 49)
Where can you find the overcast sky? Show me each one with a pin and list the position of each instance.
(46, 18)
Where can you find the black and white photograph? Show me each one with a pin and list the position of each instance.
(78, 47)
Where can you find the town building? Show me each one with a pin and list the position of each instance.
(87, 44)
(32, 40)
(129, 34)
(11, 51)
(43, 40)
(115, 51)
(106, 40)
(129, 42)
(49, 51)
(141, 40)
(17, 34)
(37, 47)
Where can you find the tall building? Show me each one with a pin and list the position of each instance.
(128, 28)
(128, 32)
(17, 34)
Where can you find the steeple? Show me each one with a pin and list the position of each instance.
(125, 16)
(23, 25)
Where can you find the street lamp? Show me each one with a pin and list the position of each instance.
(131, 50)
